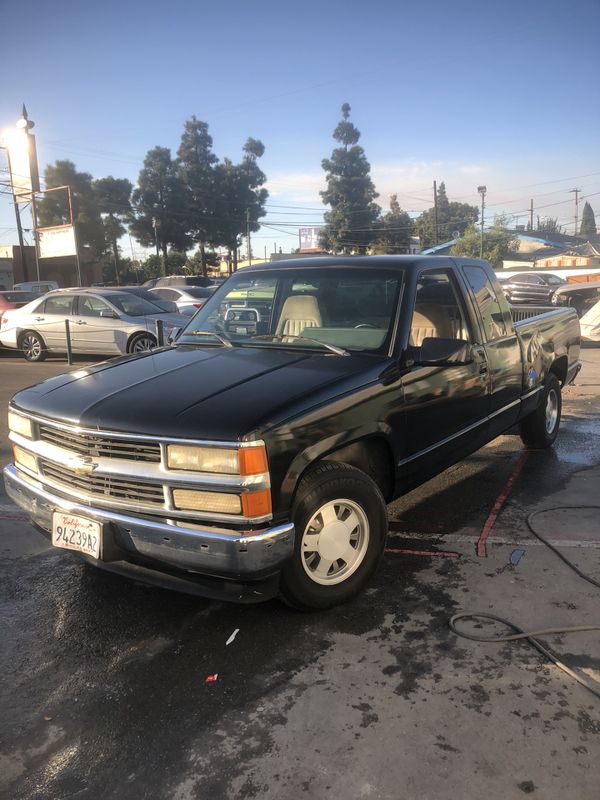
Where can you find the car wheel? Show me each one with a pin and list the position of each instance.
(540, 429)
(340, 519)
(33, 346)
(141, 343)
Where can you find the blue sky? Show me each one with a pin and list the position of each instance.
(504, 94)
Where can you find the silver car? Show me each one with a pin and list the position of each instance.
(187, 298)
(101, 321)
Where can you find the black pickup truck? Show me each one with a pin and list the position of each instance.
(255, 455)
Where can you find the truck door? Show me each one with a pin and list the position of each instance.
(446, 407)
(502, 350)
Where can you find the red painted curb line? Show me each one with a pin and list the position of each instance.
(493, 515)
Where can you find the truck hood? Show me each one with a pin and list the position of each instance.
(196, 392)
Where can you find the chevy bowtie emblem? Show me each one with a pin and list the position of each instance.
(83, 466)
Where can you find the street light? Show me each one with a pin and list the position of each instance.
(482, 190)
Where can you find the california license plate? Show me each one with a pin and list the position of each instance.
(76, 533)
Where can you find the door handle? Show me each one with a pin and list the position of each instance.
(80, 322)
(39, 319)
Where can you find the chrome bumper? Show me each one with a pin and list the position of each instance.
(217, 552)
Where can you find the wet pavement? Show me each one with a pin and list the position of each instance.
(104, 692)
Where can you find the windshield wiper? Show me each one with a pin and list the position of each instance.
(280, 336)
(223, 339)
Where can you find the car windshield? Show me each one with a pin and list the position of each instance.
(19, 297)
(348, 308)
(132, 305)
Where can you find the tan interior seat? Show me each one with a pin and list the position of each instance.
(430, 320)
(298, 313)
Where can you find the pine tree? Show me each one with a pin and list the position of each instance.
(452, 217)
(395, 230)
(350, 193)
(160, 204)
(196, 167)
(588, 221)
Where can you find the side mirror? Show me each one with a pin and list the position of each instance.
(173, 334)
(109, 314)
(436, 352)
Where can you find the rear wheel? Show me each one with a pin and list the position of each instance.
(141, 342)
(540, 429)
(340, 518)
(33, 346)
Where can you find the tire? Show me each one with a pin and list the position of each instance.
(540, 428)
(33, 346)
(141, 343)
(349, 504)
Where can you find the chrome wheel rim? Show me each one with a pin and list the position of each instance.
(142, 344)
(334, 542)
(551, 411)
(32, 347)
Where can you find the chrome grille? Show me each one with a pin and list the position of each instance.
(88, 444)
(105, 486)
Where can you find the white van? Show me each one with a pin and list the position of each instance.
(36, 286)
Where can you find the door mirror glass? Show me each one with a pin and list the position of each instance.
(435, 352)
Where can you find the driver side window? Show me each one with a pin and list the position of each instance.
(92, 306)
(437, 313)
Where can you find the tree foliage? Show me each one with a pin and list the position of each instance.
(394, 231)
(549, 225)
(54, 208)
(452, 218)
(350, 192)
(588, 221)
(498, 243)
(113, 196)
(160, 204)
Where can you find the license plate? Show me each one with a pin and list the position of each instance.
(76, 533)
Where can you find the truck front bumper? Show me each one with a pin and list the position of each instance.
(211, 562)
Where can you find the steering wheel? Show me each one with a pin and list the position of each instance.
(364, 325)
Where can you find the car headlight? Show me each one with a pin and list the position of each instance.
(222, 460)
(20, 425)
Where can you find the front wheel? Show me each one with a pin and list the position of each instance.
(141, 343)
(340, 518)
(540, 429)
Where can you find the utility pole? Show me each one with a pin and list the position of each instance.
(531, 215)
(248, 237)
(482, 190)
(435, 216)
(576, 193)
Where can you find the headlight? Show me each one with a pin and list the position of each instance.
(19, 424)
(222, 460)
(24, 459)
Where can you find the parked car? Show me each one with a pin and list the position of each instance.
(141, 291)
(257, 454)
(187, 299)
(529, 287)
(16, 299)
(590, 324)
(40, 287)
(179, 280)
(580, 296)
(102, 321)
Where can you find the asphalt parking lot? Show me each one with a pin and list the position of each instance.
(104, 690)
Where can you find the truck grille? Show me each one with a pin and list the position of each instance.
(89, 444)
(105, 486)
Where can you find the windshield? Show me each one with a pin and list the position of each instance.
(351, 309)
(132, 305)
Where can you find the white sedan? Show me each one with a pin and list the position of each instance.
(590, 324)
(187, 298)
(101, 321)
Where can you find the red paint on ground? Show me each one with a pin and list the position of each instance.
(438, 553)
(500, 500)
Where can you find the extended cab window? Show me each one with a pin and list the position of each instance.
(437, 313)
(492, 315)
